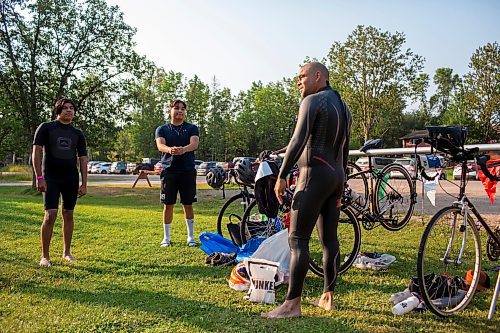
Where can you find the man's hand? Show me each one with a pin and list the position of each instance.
(41, 185)
(279, 189)
(82, 190)
(177, 151)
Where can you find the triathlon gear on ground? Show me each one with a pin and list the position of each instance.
(320, 147)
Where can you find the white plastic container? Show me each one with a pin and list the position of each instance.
(405, 306)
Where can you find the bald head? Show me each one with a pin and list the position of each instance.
(312, 77)
(319, 67)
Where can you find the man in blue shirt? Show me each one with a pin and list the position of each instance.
(177, 140)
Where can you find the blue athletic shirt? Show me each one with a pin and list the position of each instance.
(178, 136)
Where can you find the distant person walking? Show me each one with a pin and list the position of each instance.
(61, 145)
(177, 140)
(320, 146)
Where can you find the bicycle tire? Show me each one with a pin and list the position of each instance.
(348, 232)
(444, 233)
(358, 182)
(227, 214)
(394, 199)
(256, 224)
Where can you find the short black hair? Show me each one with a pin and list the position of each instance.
(175, 101)
(60, 103)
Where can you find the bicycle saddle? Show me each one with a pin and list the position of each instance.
(371, 144)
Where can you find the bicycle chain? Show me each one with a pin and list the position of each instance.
(493, 249)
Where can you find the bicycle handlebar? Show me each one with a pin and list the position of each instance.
(481, 161)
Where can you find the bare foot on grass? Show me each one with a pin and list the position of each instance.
(69, 257)
(325, 301)
(45, 262)
(289, 309)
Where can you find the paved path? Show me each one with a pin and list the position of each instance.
(99, 179)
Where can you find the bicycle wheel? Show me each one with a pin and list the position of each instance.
(349, 235)
(358, 182)
(233, 211)
(393, 198)
(452, 247)
(255, 224)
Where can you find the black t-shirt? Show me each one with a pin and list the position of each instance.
(61, 144)
(177, 136)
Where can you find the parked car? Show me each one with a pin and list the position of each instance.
(90, 164)
(104, 167)
(197, 163)
(119, 167)
(377, 162)
(407, 163)
(205, 167)
(471, 171)
(431, 163)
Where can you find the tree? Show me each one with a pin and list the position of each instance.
(447, 85)
(373, 73)
(482, 92)
(55, 48)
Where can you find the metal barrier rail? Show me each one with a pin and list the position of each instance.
(420, 150)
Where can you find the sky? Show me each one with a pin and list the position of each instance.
(240, 42)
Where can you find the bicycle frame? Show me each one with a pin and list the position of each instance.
(367, 212)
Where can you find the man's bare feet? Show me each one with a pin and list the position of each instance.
(45, 262)
(69, 257)
(325, 301)
(289, 309)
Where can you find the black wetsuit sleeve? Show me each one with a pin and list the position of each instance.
(305, 121)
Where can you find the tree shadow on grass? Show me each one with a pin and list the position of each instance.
(164, 308)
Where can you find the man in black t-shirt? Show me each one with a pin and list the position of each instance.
(177, 140)
(61, 145)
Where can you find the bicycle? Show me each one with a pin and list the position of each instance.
(450, 245)
(234, 208)
(256, 224)
(390, 202)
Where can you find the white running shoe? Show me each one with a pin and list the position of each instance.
(165, 243)
(191, 242)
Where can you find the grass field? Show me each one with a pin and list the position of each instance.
(124, 282)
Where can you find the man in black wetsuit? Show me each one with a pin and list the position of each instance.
(177, 140)
(320, 146)
(60, 144)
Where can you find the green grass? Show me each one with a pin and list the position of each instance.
(124, 282)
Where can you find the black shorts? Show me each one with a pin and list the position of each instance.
(183, 183)
(55, 189)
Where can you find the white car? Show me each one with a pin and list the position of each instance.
(377, 162)
(104, 167)
(407, 163)
(90, 164)
(471, 171)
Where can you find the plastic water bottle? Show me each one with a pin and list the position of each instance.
(406, 306)
(401, 296)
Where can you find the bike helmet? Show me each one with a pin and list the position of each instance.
(215, 177)
(244, 172)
